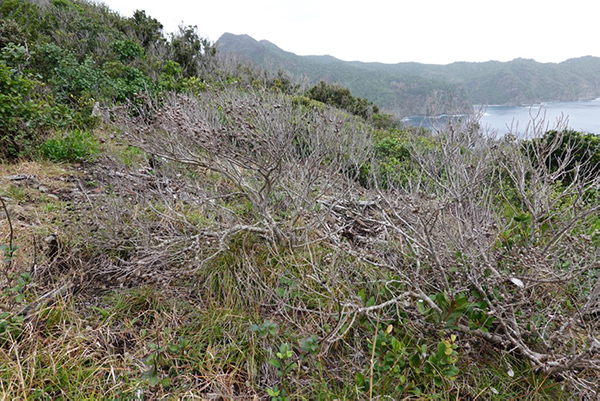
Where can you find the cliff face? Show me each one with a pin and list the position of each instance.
(417, 89)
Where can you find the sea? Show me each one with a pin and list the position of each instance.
(527, 120)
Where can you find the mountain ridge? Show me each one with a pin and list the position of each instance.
(413, 88)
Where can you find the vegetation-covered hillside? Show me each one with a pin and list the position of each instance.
(175, 224)
(399, 94)
(419, 89)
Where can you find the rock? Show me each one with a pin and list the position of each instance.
(18, 177)
(101, 112)
(52, 242)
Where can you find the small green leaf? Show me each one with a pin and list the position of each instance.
(450, 371)
(416, 391)
(153, 381)
(274, 392)
(310, 344)
(360, 379)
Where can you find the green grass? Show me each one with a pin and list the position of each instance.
(16, 193)
(73, 146)
(74, 351)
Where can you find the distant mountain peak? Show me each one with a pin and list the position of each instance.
(228, 35)
(231, 38)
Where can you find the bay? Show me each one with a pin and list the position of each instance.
(581, 116)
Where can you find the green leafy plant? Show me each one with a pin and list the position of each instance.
(10, 327)
(283, 363)
(70, 79)
(282, 358)
(390, 358)
(403, 366)
(159, 360)
(11, 324)
(20, 282)
(154, 362)
(71, 147)
(8, 250)
(440, 365)
(23, 110)
(310, 345)
(171, 77)
(338, 96)
(265, 329)
(277, 394)
(573, 147)
(470, 307)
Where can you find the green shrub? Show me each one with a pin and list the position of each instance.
(340, 97)
(11, 32)
(69, 79)
(190, 51)
(401, 364)
(22, 111)
(127, 50)
(577, 148)
(28, 18)
(131, 83)
(70, 147)
(170, 77)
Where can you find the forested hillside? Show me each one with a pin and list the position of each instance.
(399, 94)
(411, 88)
(176, 223)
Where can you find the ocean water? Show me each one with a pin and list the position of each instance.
(581, 116)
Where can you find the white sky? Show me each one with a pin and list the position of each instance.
(425, 31)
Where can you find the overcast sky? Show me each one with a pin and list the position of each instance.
(426, 31)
